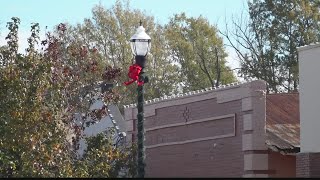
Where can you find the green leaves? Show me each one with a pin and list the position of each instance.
(109, 31)
(267, 44)
(195, 44)
(183, 56)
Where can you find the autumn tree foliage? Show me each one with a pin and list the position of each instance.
(40, 91)
(63, 75)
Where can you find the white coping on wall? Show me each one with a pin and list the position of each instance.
(191, 93)
(307, 47)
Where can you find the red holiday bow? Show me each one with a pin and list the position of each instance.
(134, 71)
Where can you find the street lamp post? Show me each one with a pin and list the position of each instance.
(140, 45)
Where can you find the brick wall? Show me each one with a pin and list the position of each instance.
(282, 165)
(210, 133)
(201, 157)
(308, 165)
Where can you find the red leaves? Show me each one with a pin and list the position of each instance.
(46, 116)
(66, 71)
(111, 73)
(111, 96)
(94, 50)
(53, 49)
(92, 66)
(83, 52)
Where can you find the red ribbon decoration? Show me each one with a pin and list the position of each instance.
(134, 71)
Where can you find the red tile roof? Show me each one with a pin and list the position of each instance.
(283, 121)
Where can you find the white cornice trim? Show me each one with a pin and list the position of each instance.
(307, 47)
(191, 93)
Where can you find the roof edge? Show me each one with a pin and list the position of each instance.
(308, 47)
(288, 151)
(192, 93)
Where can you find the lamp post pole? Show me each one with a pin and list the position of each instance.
(140, 45)
(140, 117)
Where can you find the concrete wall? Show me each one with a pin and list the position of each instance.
(309, 65)
(308, 160)
(209, 133)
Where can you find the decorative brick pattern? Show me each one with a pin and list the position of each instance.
(186, 114)
(220, 157)
(186, 150)
(198, 110)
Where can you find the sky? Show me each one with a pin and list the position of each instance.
(52, 12)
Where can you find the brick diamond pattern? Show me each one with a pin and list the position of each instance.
(186, 114)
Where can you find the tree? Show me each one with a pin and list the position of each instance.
(109, 30)
(40, 92)
(101, 159)
(196, 46)
(267, 44)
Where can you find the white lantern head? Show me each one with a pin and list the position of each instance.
(140, 42)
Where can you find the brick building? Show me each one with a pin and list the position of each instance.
(236, 130)
(233, 131)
